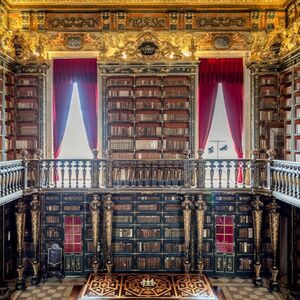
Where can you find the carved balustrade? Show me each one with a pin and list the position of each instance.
(280, 177)
(285, 181)
(12, 178)
(218, 174)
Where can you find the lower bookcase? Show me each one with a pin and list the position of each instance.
(148, 233)
(67, 222)
(228, 244)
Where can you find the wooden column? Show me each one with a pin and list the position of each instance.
(108, 213)
(200, 205)
(257, 224)
(187, 217)
(36, 233)
(274, 217)
(95, 216)
(20, 224)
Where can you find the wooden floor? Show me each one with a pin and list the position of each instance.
(149, 286)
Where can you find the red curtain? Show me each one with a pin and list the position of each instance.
(207, 100)
(229, 72)
(66, 72)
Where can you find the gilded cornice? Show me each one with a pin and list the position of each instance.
(144, 3)
(36, 46)
(271, 47)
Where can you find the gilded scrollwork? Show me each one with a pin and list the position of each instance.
(95, 216)
(35, 220)
(201, 206)
(257, 206)
(20, 227)
(276, 44)
(144, 3)
(108, 213)
(166, 50)
(274, 218)
(187, 219)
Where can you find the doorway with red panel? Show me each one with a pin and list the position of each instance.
(73, 245)
(224, 244)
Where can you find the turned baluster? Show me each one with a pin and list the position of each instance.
(220, 167)
(55, 173)
(77, 173)
(84, 173)
(236, 173)
(62, 173)
(70, 173)
(244, 166)
(212, 165)
(281, 178)
(3, 175)
(8, 181)
(228, 166)
(293, 175)
(298, 182)
(47, 173)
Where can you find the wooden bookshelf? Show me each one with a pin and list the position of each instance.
(8, 115)
(228, 235)
(286, 106)
(28, 113)
(67, 221)
(148, 233)
(276, 100)
(148, 111)
(267, 118)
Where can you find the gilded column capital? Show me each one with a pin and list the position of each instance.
(257, 204)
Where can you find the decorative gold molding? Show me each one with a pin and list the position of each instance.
(276, 44)
(187, 219)
(108, 213)
(274, 218)
(95, 216)
(200, 205)
(20, 225)
(257, 206)
(124, 46)
(145, 3)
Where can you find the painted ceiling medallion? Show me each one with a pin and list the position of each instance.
(15, 3)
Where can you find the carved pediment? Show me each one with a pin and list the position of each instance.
(148, 47)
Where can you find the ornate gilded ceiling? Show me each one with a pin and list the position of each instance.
(143, 3)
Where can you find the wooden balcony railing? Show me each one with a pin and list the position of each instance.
(285, 181)
(13, 179)
(128, 174)
(282, 178)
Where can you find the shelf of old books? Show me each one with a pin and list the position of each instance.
(28, 113)
(148, 232)
(267, 86)
(148, 116)
(9, 115)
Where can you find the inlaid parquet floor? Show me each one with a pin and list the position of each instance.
(233, 289)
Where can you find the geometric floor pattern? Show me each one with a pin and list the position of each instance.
(146, 286)
(233, 289)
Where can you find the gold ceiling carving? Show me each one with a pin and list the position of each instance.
(35, 46)
(276, 44)
(144, 3)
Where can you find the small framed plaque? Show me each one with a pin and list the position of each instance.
(54, 255)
